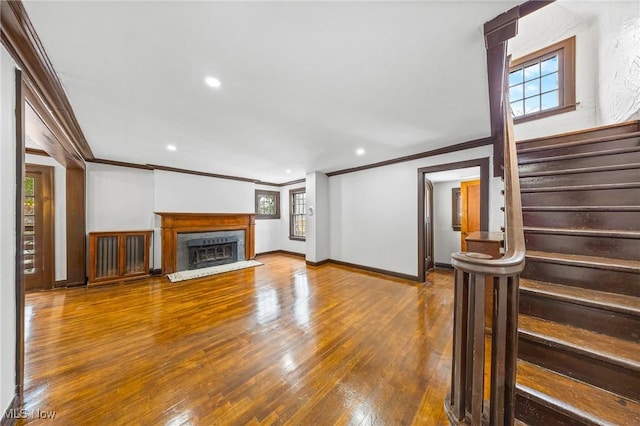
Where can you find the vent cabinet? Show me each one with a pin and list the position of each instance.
(118, 256)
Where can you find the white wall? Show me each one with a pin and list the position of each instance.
(446, 240)
(618, 25)
(269, 231)
(547, 26)
(374, 213)
(180, 192)
(294, 246)
(122, 198)
(119, 198)
(607, 61)
(60, 211)
(317, 247)
(7, 231)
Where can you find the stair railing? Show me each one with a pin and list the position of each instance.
(465, 403)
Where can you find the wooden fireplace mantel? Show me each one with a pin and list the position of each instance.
(175, 223)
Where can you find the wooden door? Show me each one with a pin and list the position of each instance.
(38, 228)
(470, 218)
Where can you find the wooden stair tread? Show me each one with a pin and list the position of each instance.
(583, 232)
(590, 187)
(588, 343)
(582, 208)
(579, 155)
(594, 169)
(590, 404)
(600, 299)
(576, 143)
(624, 265)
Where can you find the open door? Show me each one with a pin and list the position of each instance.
(470, 218)
(38, 228)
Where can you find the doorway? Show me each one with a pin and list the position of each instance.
(425, 237)
(469, 210)
(38, 231)
(429, 261)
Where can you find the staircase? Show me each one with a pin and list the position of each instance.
(579, 322)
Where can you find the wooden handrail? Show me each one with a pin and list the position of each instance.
(513, 260)
(474, 273)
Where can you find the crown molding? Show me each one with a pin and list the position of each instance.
(21, 40)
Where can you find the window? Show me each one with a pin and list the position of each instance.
(456, 209)
(267, 204)
(298, 219)
(543, 83)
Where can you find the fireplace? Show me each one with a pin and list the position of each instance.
(179, 228)
(196, 250)
(205, 252)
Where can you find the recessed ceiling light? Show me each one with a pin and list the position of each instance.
(213, 82)
(360, 151)
(171, 148)
(288, 170)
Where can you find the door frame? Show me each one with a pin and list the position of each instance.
(483, 163)
(48, 221)
(428, 188)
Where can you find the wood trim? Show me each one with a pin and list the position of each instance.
(21, 40)
(438, 151)
(189, 172)
(54, 140)
(285, 252)
(322, 262)
(34, 151)
(19, 220)
(497, 32)
(293, 182)
(120, 164)
(121, 275)
(48, 226)
(374, 270)
(546, 113)
(444, 265)
(483, 163)
(76, 220)
(192, 172)
(175, 223)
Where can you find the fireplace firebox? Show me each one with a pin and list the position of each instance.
(206, 252)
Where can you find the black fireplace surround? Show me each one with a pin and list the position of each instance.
(206, 252)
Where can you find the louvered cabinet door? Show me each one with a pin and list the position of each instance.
(118, 256)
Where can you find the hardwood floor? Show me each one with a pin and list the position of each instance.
(281, 343)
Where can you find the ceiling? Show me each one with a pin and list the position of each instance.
(303, 84)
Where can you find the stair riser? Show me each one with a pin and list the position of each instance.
(596, 133)
(586, 369)
(621, 221)
(609, 197)
(619, 248)
(534, 413)
(586, 178)
(590, 278)
(603, 321)
(552, 151)
(577, 163)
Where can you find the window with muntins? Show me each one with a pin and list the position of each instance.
(298, 219)
(267, 204)
(543, 82)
